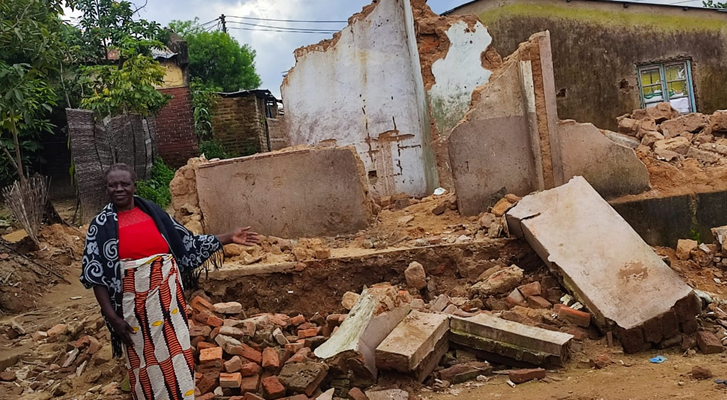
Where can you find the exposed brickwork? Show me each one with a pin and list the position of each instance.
(176, 139)
(239, 125)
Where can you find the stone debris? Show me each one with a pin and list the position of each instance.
(618, 268)
(498, 280)
(510, 339)
(416, 345)
(415, 276)
(525, 375)
(375, 314)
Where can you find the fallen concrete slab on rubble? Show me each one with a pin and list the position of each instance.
(510, 339)
(604, 263)
(376, 313)
(416, 345)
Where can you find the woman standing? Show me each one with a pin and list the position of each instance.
(136, 258)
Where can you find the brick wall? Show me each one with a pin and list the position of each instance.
(176, 139)
(239, 126)
(278, 131)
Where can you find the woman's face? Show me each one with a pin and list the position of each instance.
(121, 188)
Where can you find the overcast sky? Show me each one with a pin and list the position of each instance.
(275, 49)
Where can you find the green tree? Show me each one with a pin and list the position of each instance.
(714, 4)
(118, 73)
(218, 59)
(30, 33)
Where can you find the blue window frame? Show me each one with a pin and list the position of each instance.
(667, 82)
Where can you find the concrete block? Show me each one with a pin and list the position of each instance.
(263, 191)
(600, 258)
(584, 150)
(303, 377)
(511, 339)
(412, 343)
(376, 313)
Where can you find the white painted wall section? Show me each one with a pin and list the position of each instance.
(362, 91)
(458, 74)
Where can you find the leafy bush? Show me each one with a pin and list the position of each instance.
(156, 189)
(214, 149)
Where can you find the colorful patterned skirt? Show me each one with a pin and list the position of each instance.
(160, 361)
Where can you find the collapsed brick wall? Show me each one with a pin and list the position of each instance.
(239, 125)
(176, 139)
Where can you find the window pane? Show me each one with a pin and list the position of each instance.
(676, 72)
(678, 89)
(683, 104)
(650, 77)
(653, 94)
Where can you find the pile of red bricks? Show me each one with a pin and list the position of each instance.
(267, 356)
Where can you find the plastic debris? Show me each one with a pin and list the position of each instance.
(658, 359)
(439, 191)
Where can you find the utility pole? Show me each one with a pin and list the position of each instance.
(224, 25)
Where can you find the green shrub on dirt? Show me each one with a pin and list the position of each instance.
(156, 188)
(213, 149)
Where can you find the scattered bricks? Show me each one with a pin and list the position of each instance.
(231, 331)
(233, 380)
(230, 308)
(701, 373)
(200, 304)
(293, 348)
(708, 343)
(515, 298)
(199, 330)
(251, 396)
(417, 304)
(214, 321)
(250, 369)
(576, 317)
(308, 333)
(303, 397)
(272, 388)
(318, 319)
(601, 361)
(531, 289)
(228, 344)
(39, 335)
(250, 384)
(208, 396)
(205, 345)
(440, 303)
(390, 394)
(314, 342)
(297, 320)
(685, 247)
(247, 352)
(55, 332)
(357, 394)
(215, 332)
(632, 340)
(440, 208)
(688, 308)
(300, 356)
(234, 364)
(271, 360)
(211, 354)
(689, 327)
(202, 316)
(539, 302)
(280, 337)
(465, 372)
(415, 276)
(208, 382)
(8, 376)
(349, 299)
(524, 375)
(303, 377)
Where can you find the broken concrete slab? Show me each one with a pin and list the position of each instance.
(612, 169)
(376, 313)
(416, 345)
(262, 191)
(602, 261)
(511, 339)
(720, 235)
(303, 377)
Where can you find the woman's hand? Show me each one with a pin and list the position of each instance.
(241, 236)
(123, 329)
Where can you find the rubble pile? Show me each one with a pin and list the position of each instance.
(670, 136)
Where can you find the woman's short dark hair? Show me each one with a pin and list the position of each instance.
(121, 167)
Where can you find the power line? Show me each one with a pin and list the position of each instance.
(207, 23)
(281, 31)
(290, 20)
(285, 27)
